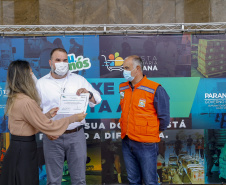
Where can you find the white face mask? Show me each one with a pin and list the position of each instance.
(34, 78)
(61, 68)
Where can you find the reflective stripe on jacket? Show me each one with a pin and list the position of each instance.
(139, 118)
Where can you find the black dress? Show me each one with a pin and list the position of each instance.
(20, 166)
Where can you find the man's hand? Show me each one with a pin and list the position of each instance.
(52, 137)
(82, 90)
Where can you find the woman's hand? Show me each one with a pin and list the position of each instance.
(52, 112)
(80, 116)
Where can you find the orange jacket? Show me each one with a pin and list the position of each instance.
(139, 118)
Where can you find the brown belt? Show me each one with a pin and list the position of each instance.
(73, 130)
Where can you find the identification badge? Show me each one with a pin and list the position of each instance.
(142, 103)
(122, 94)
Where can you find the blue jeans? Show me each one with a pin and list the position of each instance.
(141, 161)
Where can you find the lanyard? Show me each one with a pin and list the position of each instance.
(62, 87)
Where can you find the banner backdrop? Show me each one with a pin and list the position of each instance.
(192, 69)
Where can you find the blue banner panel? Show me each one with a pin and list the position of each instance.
(192, 70)
(36, 50)
(209, 107)
(181, 99)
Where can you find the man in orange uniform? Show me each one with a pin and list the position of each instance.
(145, 114)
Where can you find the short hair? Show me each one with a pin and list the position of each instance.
(137, 61)
(57, 49)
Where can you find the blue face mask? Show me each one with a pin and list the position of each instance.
(127, 75)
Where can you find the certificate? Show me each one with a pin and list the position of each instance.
(73, 104)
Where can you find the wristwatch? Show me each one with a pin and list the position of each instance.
(91, 95)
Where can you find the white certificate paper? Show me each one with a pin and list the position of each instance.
(73, 104)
